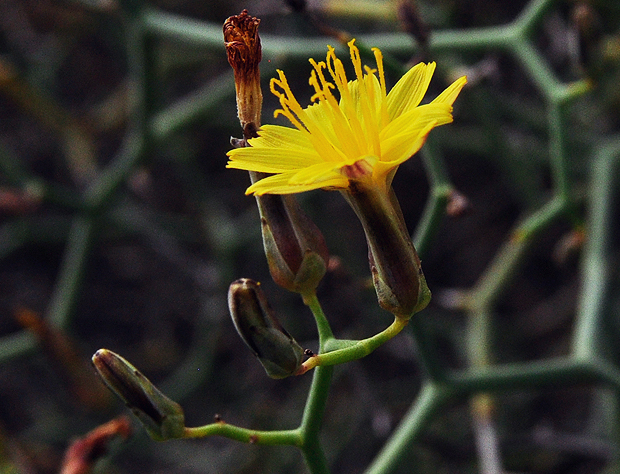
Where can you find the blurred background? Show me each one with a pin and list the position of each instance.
(121, 228)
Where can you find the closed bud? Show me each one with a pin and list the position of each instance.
(163, 418)
(394, 263)
(276, 350)
(295, 247)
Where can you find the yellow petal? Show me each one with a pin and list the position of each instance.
(271, 160)
(451, 93)
(336, 128)
(402, 150)
(410, 89)
(279, 184)
(416, 119)
(276, 136)
(373, 99)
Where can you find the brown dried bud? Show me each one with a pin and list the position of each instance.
(244, 53)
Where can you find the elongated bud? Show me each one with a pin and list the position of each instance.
(295, 247)
(276, 350)
(394, 263)
(244, 53)
(163, 418)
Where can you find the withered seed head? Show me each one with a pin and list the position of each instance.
(243, 50)
(242, 42)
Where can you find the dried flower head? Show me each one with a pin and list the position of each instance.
(244, 53)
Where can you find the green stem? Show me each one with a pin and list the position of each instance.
(312, 419)
(587, 339)
(69, 283)
(99, 194)
(317, 398)
(427, 350)
(322, 324)
(545, 373)
(244, 435)
(354, 349)
(435, 208)
(430, 399)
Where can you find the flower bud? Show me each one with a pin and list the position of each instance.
(294, 246)
(163, 418)
(276, 350)
(243, 50)
(394, 263)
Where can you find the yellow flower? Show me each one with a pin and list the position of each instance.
(363, 137)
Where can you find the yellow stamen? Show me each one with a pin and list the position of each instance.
(342, 128)
(385, 117)
(298, 117)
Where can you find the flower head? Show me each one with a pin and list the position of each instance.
(364, 136)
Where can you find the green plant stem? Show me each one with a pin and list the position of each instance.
(312, 420)
(209, 35)
(16, 345)
(431, 398)
(69, 282)
(193, 107)
(546, 373)
(244, 435)
(317, 397)
(434, 210)
(342, 351)
(596, 267)
(426, 349)
(322, 324)
(441, 188)
(101, 191)
(306, 437)
(503, 268)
